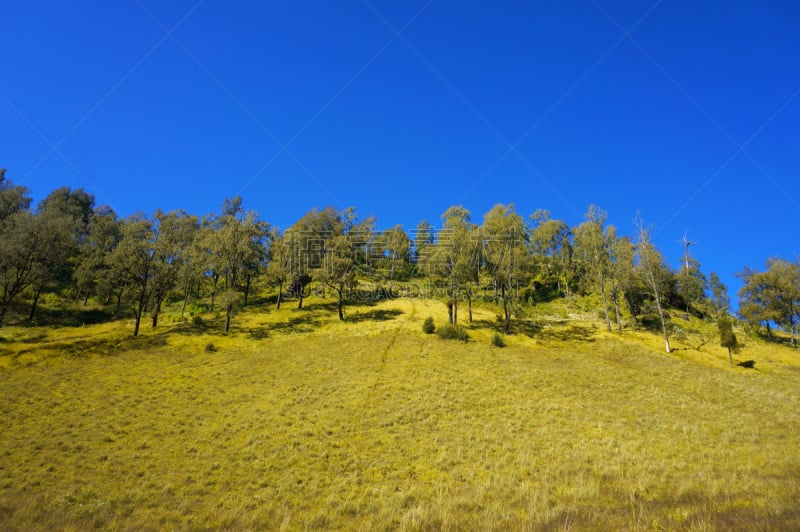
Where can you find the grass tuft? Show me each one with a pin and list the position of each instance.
(453, 332)
(497, 340)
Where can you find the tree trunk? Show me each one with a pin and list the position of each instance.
(730, 356)
(139, 310)
(86, 298)
(469, 303)
(450, 312)
(247, 286)
(228, 311)
(280, 294)
(663, 323)
(615, 298)
(156, 311)
(300, 296)
(35, 303)
(340, 304)
(605, 303)
(215, 279)
(769, 330)
(506, 311)
(3, 310)
(185, 301)
(119, 301)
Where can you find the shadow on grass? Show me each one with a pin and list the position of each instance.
(563, 333)
(374, 315)
(304, 323)
(97, 346)
(71, 317)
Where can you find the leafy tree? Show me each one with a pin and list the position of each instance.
(343, 252)
(132, 261)
(13, 198)
(504, 235)
(27, 242)
(70, 212)
(240, 244)
(591, 246)
(424, 250)
(719, 294)
(616, 269)
(551, 243)
(692, 284)
(772, 295)
(628, 279)
(279, 264)
(92, 272)
(457, 255)
(176, 231)
(652, 268)
(396, 247)
(726, 336)
(306, 241)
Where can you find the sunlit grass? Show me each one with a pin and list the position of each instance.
(300, 421)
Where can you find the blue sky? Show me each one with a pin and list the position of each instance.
(686, 111)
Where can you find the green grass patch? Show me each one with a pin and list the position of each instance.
(372, 424)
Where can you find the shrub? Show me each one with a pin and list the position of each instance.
(497, 340)
(453, 332)
(428, 327)
(210, 347)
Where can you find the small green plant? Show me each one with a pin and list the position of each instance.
(453, 332)
(428, 327)
(210, 347)
(497, 340)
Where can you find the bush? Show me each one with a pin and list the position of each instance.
(453, 332)
(428, 327)
(210, 347)
(497, 340)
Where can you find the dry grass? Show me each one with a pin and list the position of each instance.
(298, 421)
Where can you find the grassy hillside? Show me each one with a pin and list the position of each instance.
(295, 421)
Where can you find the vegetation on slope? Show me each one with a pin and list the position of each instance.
(298, 420)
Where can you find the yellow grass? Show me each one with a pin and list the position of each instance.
(299, 421)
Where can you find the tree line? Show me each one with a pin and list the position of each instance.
(72, 248)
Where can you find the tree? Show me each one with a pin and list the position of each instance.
(504, 235)
(176, 231)
(719, 294)
(69, 213)
(591, 246)
(306, 242)
(27, 242)
(457, 255)
(344, 252)
(396, 247)
(653, 271)
(132, 261)
(726, 336)
(772, 295)
(279, 263)
(616, 268)
(92, 272)
(692, 283)
(13, 198)
(551, 243)
(240, 244)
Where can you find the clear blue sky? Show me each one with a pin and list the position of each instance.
(687, 111)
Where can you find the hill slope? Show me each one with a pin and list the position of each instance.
(297, 420)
